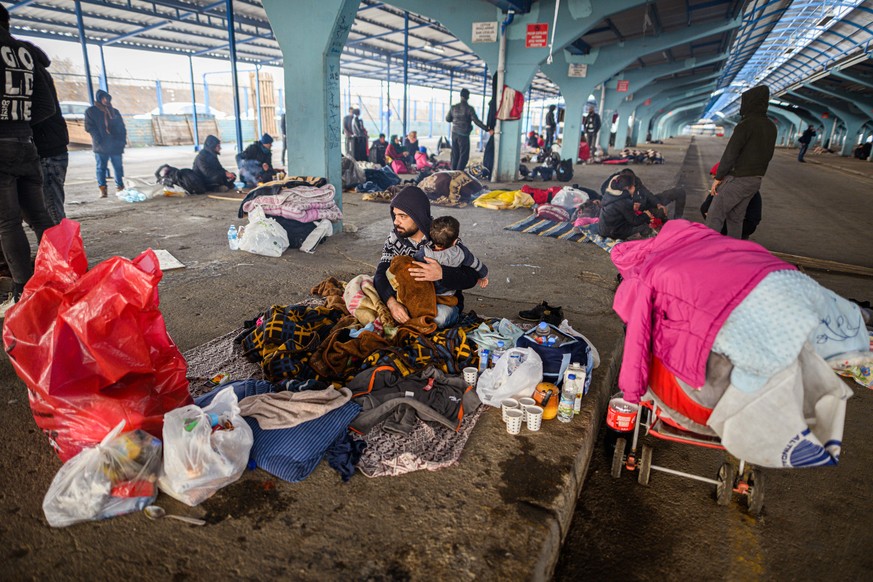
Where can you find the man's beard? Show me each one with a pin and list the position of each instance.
(405, 233)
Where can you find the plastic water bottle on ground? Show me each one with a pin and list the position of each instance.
(568, 399)
(541, 333)
(498, 352)
(514, 362)
(484, 359)
(232, 238)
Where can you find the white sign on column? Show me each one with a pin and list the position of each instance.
(578, 70)
(485, 31)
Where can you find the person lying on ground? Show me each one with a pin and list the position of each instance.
(620, 217)
(448, 250)
(410, 214)
(207, 165)
(649, 201)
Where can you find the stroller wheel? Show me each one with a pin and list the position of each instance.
(725, 487)
(645, 465)
(618, 457)
(755, 494)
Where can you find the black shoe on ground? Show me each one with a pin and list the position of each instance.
(543, 312)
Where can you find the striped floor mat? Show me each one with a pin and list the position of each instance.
(561, 230)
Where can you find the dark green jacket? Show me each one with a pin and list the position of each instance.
(751, 146)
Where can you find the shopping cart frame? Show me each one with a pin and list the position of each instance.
(734, 475)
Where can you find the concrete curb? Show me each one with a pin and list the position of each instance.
(600, 393)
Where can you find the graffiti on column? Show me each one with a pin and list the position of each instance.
(333, 113)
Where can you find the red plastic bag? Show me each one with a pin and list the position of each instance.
(92, 346)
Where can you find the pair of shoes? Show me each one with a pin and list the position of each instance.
(543, 312)
(103, 193)
(7, 303)
(802, 161)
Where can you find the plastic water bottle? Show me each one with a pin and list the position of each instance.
(484, 357)
(498, 352)
(514, 362)
(232, 238)
(542, 332)
(551, 341)
(568, 399)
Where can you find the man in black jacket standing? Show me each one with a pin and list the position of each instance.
(743, 163)
(209, 168)
(108, 139)
(805, 140)
(25, 98)
(551, 126)
(462, 117)
(51, 139)
(591, 127)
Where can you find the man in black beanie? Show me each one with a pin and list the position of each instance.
(410, 213)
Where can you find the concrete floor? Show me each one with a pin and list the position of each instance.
(503, 511)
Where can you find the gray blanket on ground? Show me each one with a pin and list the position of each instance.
(288, 409)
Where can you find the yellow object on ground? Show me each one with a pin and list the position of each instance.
(504, 200)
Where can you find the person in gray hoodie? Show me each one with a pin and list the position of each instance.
(743, 163)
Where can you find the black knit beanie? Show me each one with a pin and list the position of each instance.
(413, 201)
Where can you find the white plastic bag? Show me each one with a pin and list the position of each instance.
(570, 198)
(263, 235)
(200, 460)
(323, 229)
(116, 477)
(497, 384)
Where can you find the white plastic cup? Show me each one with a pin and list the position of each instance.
(523, 403)
(513, 420)
(534, 417)
(470, 376)
(507, 405)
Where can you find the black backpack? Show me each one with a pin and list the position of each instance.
(185, 178)
(564, 171)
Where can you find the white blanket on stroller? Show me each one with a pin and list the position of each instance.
(795, 420)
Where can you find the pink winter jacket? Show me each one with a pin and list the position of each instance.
(678, 290)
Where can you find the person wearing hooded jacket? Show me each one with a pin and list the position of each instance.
(618, 211)
(743, 163)
(410, 214)
(256, 161)
(209, 168)
(551, 126)
(51, 139)
(21, 180)
(108, 138)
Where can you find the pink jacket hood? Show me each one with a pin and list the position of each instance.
(678, 290)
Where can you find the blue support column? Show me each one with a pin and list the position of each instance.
(381, 108)
(160, 96)
(231, 36)
(529, 107)
(205, 92)
(388, 99)
(405, 71)
(104, 76)
(312, 83)
(451, 90)
(258, 98)
(194, 104)
(430, 110)
(84, 43)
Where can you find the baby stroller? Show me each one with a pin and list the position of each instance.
(668, 412)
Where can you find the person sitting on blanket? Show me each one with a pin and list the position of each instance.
(256, 162)
(448, 250)
(209, 168)
(410, 213)
(620, 217)
(649, 201)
